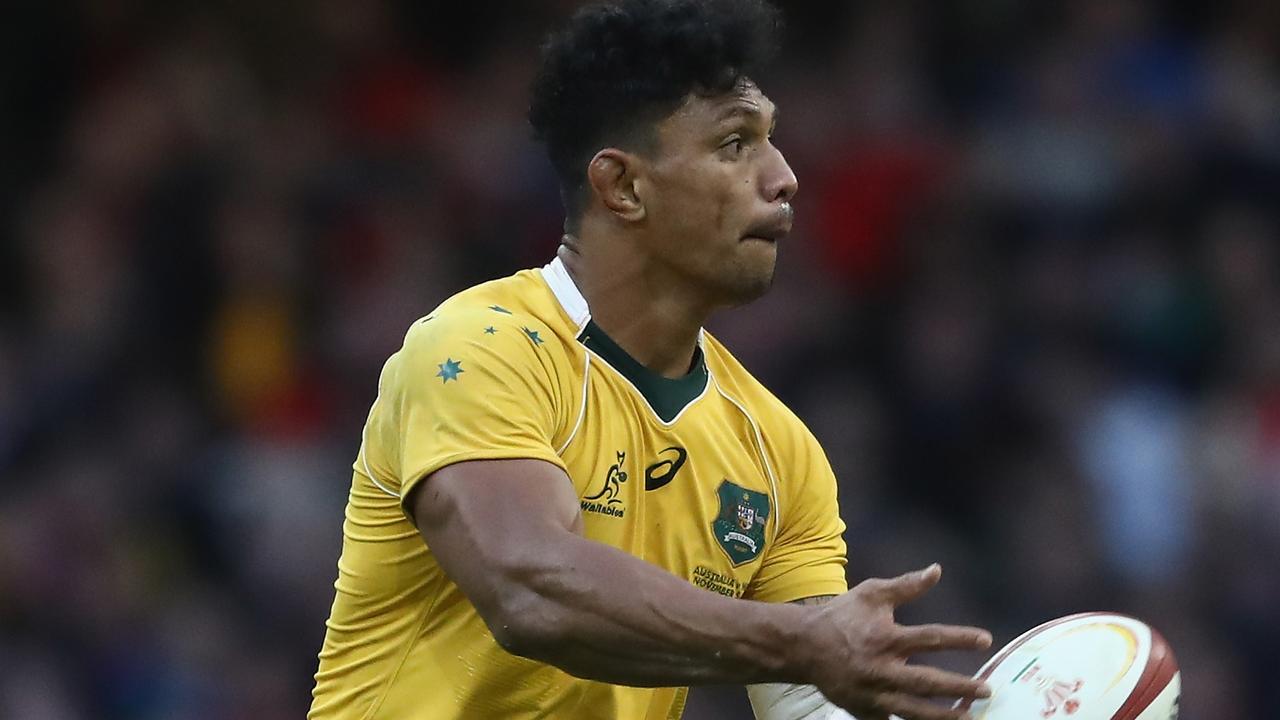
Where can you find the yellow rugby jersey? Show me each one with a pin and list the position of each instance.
(708, 476)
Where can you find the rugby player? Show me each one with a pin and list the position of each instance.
(570, 500)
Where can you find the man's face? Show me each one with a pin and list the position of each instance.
(717, 194)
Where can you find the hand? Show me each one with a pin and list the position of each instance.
(859, 653)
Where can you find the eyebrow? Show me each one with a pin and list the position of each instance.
(741, 108)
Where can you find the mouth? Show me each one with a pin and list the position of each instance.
(773, 228)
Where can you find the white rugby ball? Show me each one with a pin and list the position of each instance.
(1091, 666)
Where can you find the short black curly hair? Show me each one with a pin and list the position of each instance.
(620, 66)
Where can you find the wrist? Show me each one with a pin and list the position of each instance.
(800, 650)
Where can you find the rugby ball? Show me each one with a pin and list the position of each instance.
(1091, 666)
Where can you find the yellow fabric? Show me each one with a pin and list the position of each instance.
(497, 371)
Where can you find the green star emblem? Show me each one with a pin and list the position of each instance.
(491, 330)
(533, 335)
(450, 369)
(499, 308)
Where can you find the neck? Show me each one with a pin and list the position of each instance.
(650, 317)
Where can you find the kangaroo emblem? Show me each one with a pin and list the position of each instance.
(612, 482)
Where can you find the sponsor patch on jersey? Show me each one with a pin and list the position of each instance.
(739, 527)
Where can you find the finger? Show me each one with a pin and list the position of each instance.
(905, 707)
(925, 681)
(908, 587)
(913, 639)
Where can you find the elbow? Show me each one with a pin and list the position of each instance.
(525, 603)
(529, 626)
(524, 639)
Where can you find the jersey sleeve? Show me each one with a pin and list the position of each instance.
(807, 558)
(476, 385)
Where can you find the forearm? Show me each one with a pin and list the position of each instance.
(601, 614)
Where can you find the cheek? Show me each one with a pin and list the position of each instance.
(733, 201)
(697, 209)
(713, 192)
(687, 203)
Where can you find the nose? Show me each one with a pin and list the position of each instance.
(778, 183)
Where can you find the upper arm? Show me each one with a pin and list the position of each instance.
(473, 409)
(487, 522)
(808, 557)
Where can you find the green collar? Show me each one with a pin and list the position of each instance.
(667, 396)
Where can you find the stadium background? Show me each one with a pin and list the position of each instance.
(1031, 307)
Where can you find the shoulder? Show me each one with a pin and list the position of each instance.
(505, 341)
(466, 365)
(505, 331)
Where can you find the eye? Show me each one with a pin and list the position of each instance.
(733, 145)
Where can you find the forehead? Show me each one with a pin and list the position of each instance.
(703, 112)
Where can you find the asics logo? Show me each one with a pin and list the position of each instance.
(664, 471)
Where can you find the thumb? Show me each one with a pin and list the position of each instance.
(905, 588)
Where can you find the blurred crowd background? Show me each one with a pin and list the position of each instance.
(1031, 308)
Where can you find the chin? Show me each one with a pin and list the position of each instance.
(754, 291)
(750, 283)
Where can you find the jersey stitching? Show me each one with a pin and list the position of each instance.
(364, 451)
(582, 410)
(678, 703)
(408, 648)
(764, 455)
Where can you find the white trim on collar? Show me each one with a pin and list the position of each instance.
(562, 286)
(557, 277)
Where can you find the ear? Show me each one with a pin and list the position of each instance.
(612, 175)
